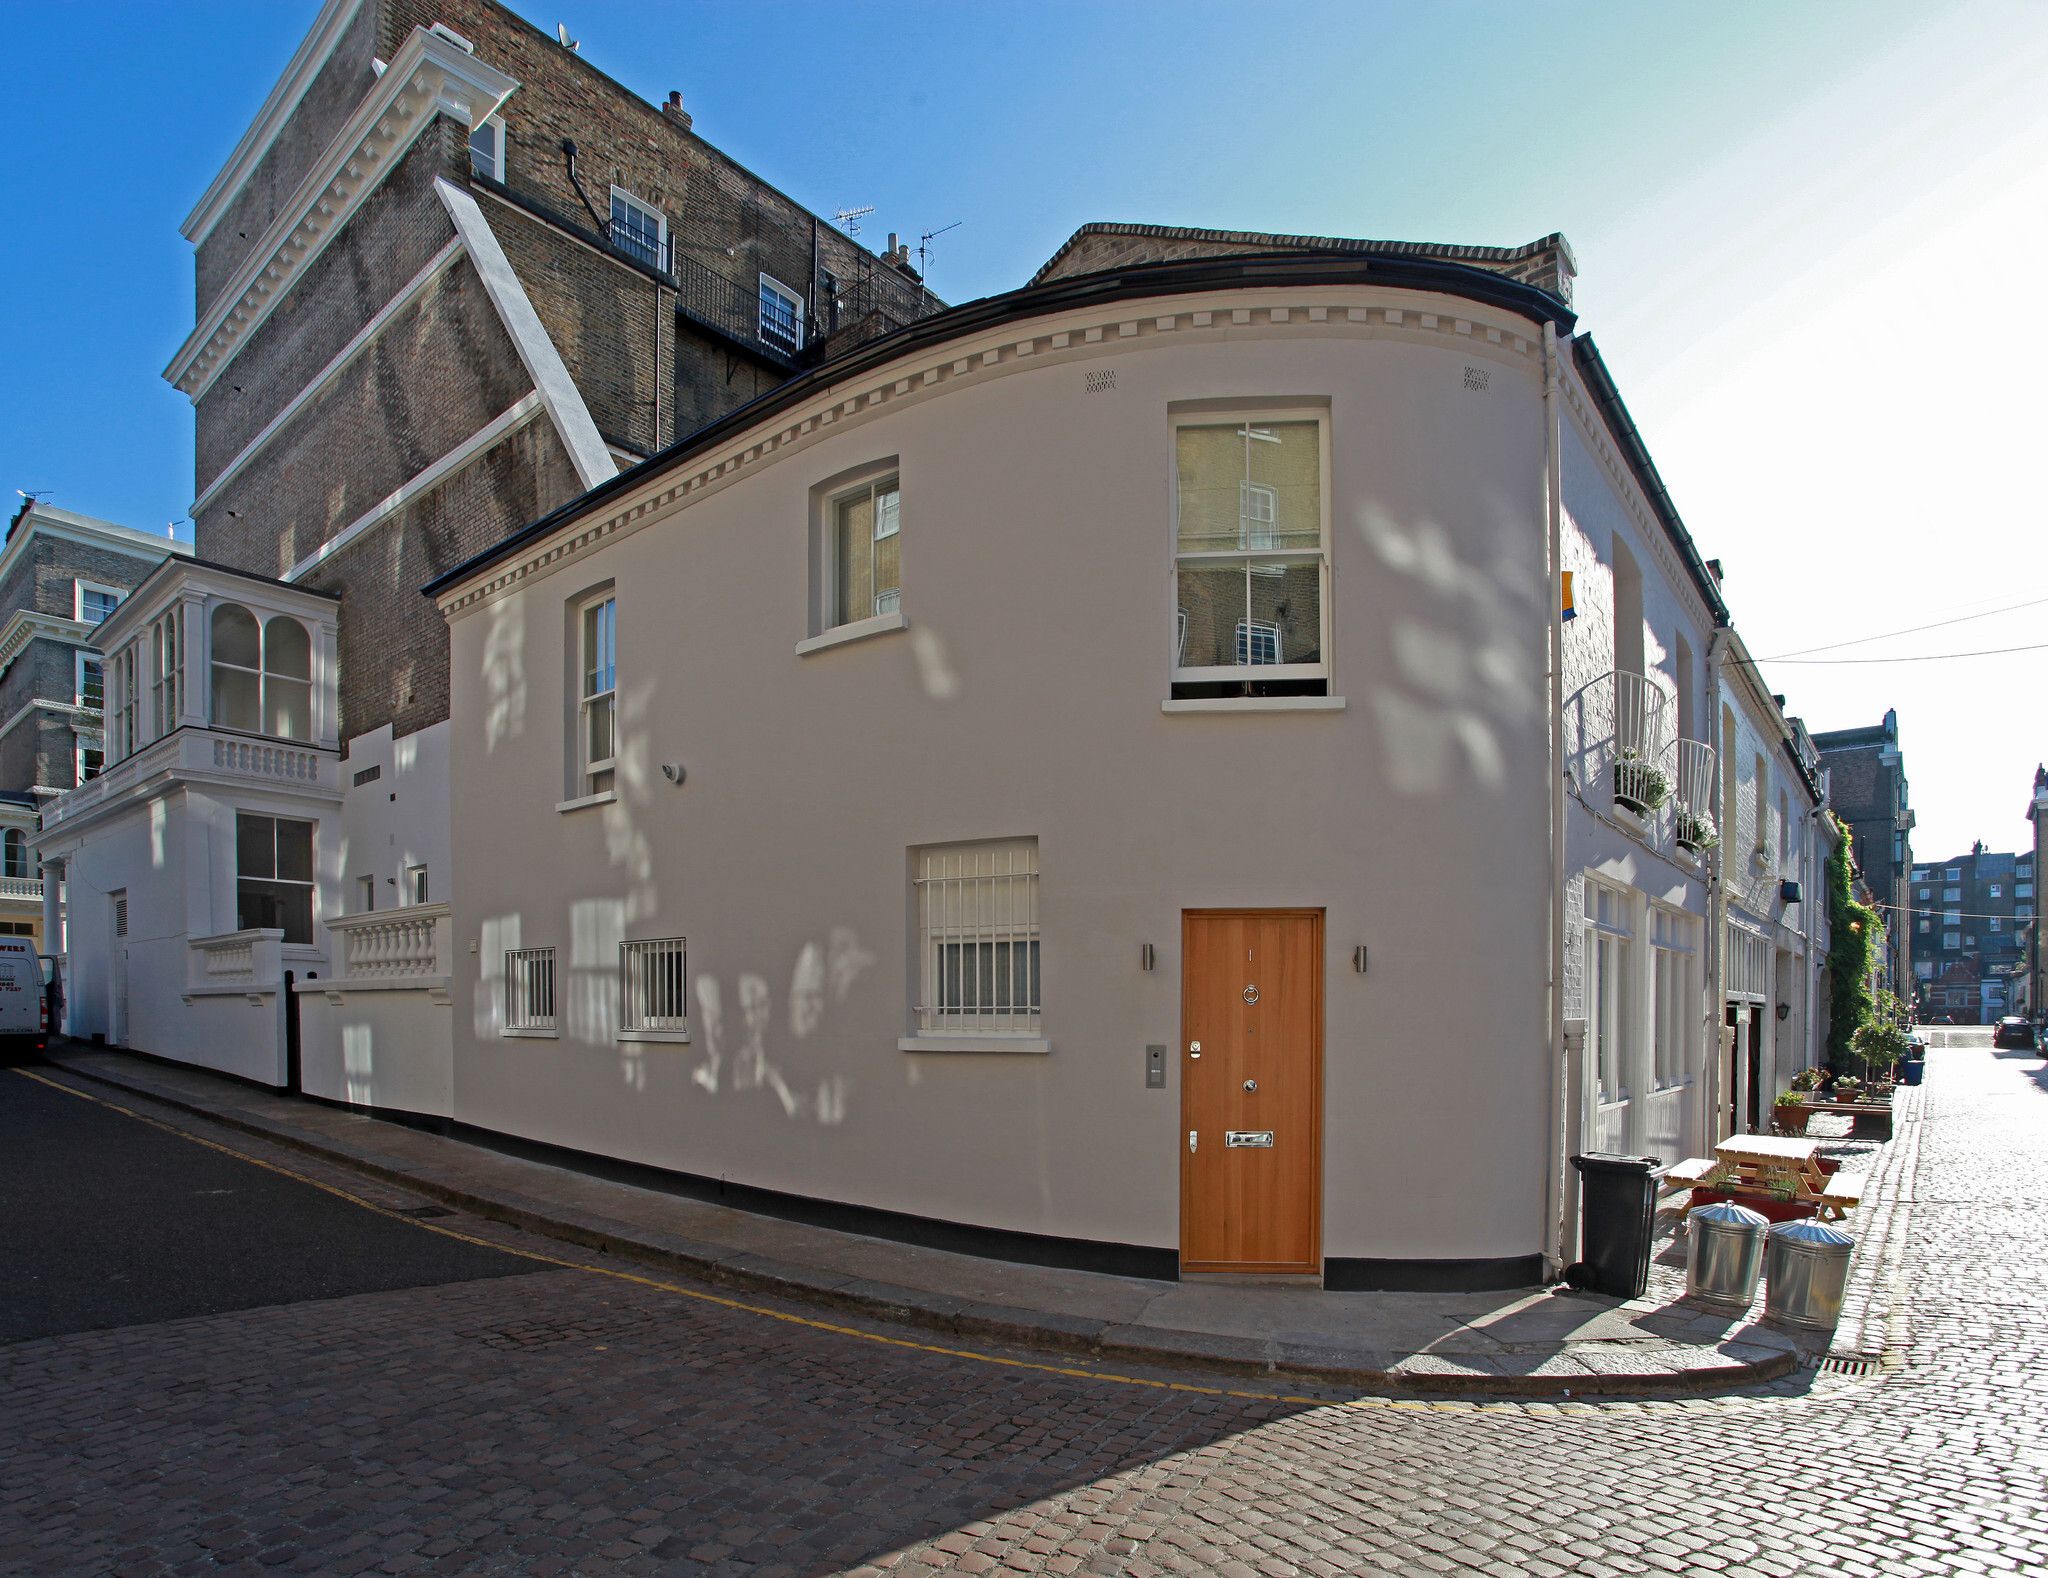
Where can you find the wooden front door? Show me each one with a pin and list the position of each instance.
(1251, 1163)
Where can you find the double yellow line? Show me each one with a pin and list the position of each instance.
(1575, 1405)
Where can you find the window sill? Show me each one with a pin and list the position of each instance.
(531, 1035)
(1036, 1045)
(1256, 704)
(859, 630)
(606, 797)
(679, 1038)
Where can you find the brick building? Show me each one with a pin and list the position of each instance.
(1868, 791)
(2036, 975)
(1968, 915)
(451, 278)
(61, 573)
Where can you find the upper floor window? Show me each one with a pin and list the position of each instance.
(92, 683)
(1995, 888)
(1955, 873)
(96, 602)
(1250, 555)
(1927, 893)
(262, 674)
(487, 149)
(599, 703)
(17, 853)
(2023, 890)
(1951, 894)
(165, 659)
(866, 572)
(639, 228)
(782, 315)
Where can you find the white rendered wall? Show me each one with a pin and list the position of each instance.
(377, 1049)
(1037, 532)
(396, 821)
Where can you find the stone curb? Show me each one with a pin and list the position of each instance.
(936, 1312)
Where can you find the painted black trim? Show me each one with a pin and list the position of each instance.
(1342, 1274)
(927, 1232)
(1185, 276)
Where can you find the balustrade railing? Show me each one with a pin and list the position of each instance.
(251, 959)
(1693, 822)
(393, 947)
(1642, 778)
(21, 888)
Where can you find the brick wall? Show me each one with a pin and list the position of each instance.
(393, 643)
(443, 369)
(329, 101)
(601, 314)
(389, 239)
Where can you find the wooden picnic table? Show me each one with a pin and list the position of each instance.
(1782, 1169)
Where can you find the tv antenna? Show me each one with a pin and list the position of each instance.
(850, 218)
(924, 244)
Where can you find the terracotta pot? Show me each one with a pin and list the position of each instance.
(1790, 1120)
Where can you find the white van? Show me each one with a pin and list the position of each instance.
(22, 1026)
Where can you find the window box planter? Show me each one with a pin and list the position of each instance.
(1639, 784)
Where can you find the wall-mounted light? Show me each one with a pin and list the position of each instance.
(1784, 1010)
(1145, 956)
(672, 771)
(1358, 958)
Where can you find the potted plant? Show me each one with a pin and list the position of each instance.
(1790, 1112)
(1639, 783)
(1696, 831)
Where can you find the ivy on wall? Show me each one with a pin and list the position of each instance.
(1857, 938)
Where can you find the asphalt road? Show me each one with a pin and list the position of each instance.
(106, 1220)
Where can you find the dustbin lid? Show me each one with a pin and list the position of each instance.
(1726, 1213)
(1607, 1162)
(1813, 1233)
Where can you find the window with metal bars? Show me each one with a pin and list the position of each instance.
(651, 985)
(530, 989)
(978, 928)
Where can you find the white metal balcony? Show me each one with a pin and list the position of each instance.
(1693, 821)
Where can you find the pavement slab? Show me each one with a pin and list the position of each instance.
(1522, 1342)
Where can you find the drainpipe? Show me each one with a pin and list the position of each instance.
(1717, 911)
(1559, 1116)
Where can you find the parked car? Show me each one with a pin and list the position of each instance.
(2013, 1033)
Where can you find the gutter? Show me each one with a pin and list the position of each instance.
(1183, 277)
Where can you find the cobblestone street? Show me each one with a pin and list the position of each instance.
(576, 1421)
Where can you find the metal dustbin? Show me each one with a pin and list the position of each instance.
(1806, 1267)
(1726, 1252)
(1618, 1195)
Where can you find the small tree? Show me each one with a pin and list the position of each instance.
(1882, 1040)
(1857, 934)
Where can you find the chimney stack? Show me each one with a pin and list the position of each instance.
(675, 112)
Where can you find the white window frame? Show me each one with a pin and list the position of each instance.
(1609, 989)
(590, 770)
(84, 741)
(366, 895)
(415, 884)
(1995, 889)
(530, 993)
(80, 588)
(1320, 556)
(639, 1018)
(770, 285)
(982, 895)
(620, 196)
(1951, 939)
(888, 482)
(1676, 998)
(492, 129)
(80, 662)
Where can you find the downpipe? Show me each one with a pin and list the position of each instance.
(1717, 912)
(1561, 1220)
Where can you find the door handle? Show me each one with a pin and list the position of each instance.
(1191, 1142)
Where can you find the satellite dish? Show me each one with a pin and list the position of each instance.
(562, 32)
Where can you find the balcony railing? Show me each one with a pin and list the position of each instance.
(406, 949)
(22, 888)
(1619, 730)
(284, 765)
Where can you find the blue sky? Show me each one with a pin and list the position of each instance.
(1802, 230)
